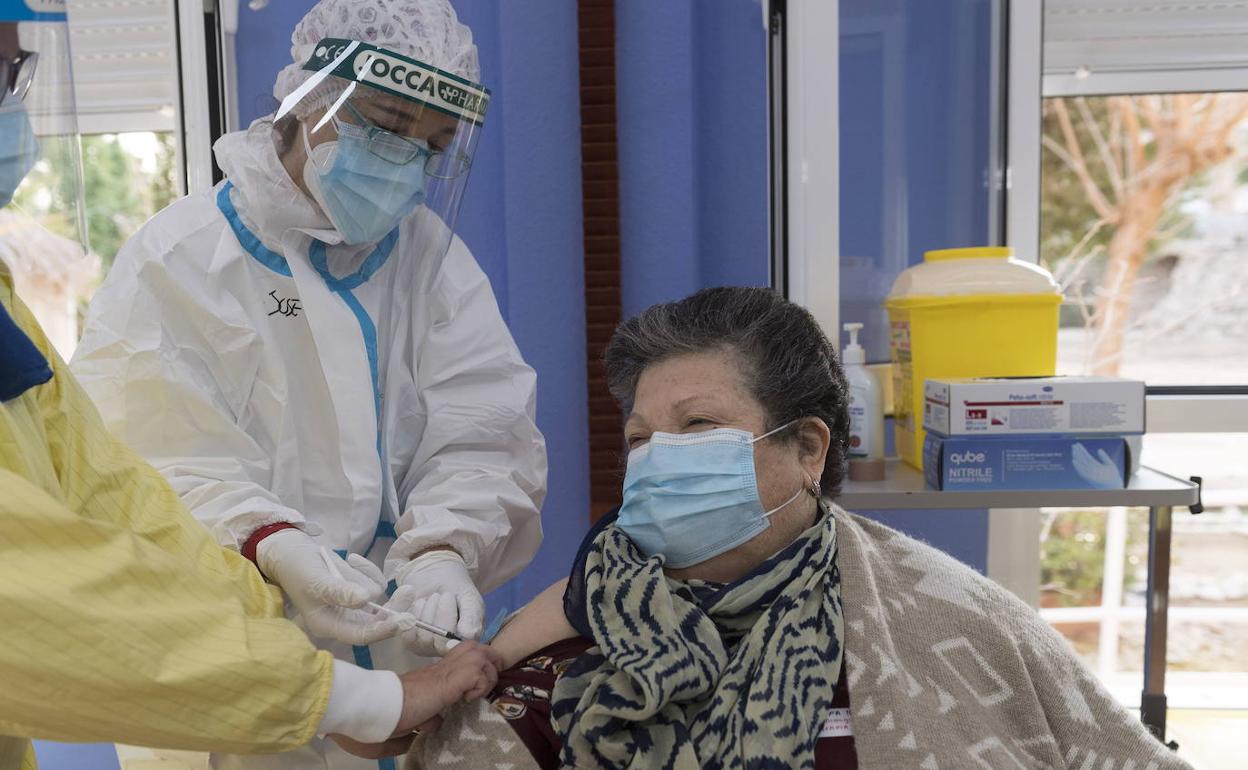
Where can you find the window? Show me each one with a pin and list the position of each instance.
(126, 179)
(1145, 147)
(1128, 149)
(1144, 221)
(60, 236)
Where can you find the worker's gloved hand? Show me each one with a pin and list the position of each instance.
(1099, 471)
(332, 607)
(437, 589)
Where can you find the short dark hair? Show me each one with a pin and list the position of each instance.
(789, 365)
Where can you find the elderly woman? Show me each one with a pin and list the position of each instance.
(730, 616)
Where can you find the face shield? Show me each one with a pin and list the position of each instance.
(385, 136)
(41, 179)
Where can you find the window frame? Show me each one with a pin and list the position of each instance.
(1170, 408)
(804, 37)
(203, 108)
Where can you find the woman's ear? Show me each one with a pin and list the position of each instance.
(813, 440)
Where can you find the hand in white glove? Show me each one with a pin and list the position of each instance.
(437, 589)
(1100, 471)
(331, 606)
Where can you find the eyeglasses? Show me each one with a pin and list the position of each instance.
(16, 75)
(401, 150)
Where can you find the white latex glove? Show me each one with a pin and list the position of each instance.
(1100, 471)
(437, 589)
(331, 607)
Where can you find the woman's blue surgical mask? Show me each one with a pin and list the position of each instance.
(19, 149)
(692, 496)
(364, 196)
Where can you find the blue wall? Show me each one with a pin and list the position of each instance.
(521, 218)
(915, 122)
(692, 105)
(262, 49)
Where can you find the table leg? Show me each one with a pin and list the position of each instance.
(1153, 699)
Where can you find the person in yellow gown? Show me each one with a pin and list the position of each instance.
(121, 618)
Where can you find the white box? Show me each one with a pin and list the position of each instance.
(1038, 406)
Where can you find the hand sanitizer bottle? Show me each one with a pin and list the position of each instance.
(866, 412)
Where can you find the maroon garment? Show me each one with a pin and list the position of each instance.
(837, 753)
(523, 697)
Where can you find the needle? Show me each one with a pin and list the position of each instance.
(406, 618)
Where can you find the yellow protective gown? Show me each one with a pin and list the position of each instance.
(121, 618)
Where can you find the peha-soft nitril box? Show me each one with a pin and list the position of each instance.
(1034, 406)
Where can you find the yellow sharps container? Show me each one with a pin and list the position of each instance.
(975, 312)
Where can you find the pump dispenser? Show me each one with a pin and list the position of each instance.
(866, 411)
(853, 354)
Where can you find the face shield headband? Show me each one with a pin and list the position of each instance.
(364, 64)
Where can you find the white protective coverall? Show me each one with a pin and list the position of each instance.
(249, 363)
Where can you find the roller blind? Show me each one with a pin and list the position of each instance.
(1118, 46)
(125, 65)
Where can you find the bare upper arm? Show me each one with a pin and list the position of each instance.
(538, 624)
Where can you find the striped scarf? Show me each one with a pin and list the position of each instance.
(690, 675)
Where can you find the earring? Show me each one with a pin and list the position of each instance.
(816, 491)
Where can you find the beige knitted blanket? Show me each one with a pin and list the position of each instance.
(946, 670)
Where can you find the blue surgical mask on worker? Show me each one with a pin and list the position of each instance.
(692, 496)
(19, 149)
(364, 196)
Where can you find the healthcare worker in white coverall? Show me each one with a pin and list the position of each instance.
(312, 358)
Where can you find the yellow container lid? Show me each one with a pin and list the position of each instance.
(982, 270)
(973, 252)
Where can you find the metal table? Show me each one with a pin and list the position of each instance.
(903, 487)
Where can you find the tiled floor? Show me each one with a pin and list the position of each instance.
(1209, 739)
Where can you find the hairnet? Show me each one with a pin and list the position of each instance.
(426, 30)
